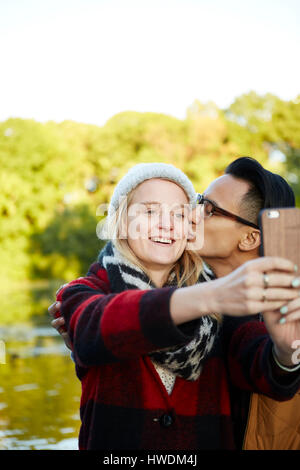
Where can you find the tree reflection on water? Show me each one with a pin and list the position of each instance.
(39, 391)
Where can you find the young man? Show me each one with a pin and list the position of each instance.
(245, 189)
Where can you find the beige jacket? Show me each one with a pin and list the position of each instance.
(273, 425)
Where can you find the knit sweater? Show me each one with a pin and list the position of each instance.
(124, 404)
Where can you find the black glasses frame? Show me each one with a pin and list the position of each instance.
(218, 210)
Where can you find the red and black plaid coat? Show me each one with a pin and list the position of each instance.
(124, 404)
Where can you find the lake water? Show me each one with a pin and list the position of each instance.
(39, 391)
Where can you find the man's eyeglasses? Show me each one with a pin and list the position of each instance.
(210, 208)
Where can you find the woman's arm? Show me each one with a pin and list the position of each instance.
(105, 327)
(248, 352)
(240, 293)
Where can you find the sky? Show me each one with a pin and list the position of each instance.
(87, 60)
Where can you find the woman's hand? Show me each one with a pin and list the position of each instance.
(242, 292)
(284, 329)
(58, 323)
(260, 285)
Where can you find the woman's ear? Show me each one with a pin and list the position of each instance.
(250, 240)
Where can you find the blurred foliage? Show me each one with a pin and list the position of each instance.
(55, 175)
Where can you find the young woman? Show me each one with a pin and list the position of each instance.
(147, 336)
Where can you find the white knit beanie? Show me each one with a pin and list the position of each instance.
(145, 171)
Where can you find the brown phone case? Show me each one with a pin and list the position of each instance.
(280, 230)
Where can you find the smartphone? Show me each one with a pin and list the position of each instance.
(280, 232)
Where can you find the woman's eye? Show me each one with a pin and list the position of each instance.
(150, 211)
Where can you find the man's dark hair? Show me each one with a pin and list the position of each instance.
(266, 190)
